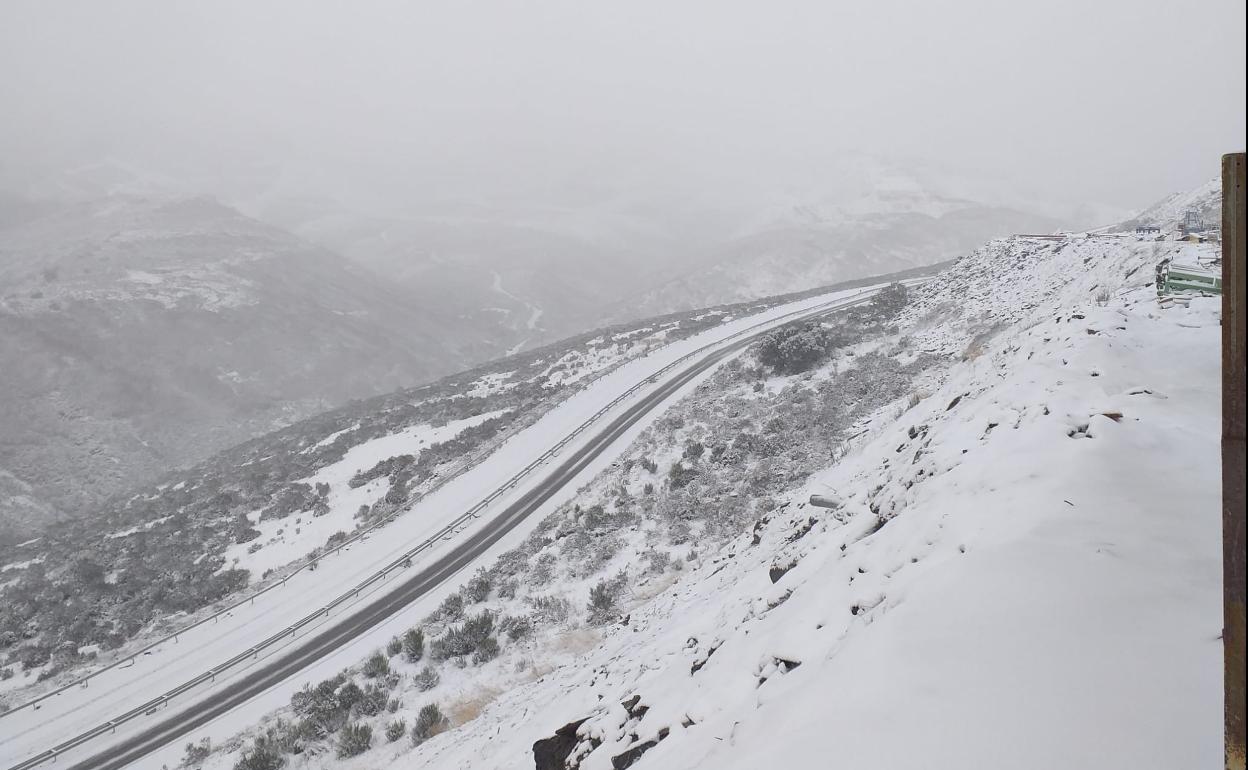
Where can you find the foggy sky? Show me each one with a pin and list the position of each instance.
(1118, 102)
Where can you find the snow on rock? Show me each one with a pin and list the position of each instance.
(1024, 571)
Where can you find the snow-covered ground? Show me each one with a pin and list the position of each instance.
(27, 731)
(1024, 573)
(288, 539)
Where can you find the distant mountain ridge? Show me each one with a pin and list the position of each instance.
(140, 334)
(813, 248)
(142, 328)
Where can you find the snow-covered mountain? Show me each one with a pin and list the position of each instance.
(1020, 518)
(1167, 213)
(544, 258)
(138, 334)
(812, 247)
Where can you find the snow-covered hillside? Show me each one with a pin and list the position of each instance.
(1205, 200)
(1023, 571)
(1020, 570)
(860, 216)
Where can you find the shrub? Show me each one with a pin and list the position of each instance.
(261, 757)
(348, 696)
(396, 730)
(33, 656)
(659, 560)
(372, 701)
(197, 752)
(794, 349)
(604, 597)
(486, 651)
(478, 588)
(414, 644)
(515, 627)
(465, 638)
(376, 665)
(507, 588)
(427, 679)
(452, 608)
(325, 705)
(285, 737)
(543, 569)
(429, 722)
(551, 609)
(355, 739)
(243, 531)
(678, 476)
(394, 647)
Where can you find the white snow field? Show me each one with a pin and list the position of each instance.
(286, 540)
(28, 732)
(1024, 573)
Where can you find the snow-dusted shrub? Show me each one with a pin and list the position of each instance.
(414, 644)
(515, 627)
(486, 651)
(796, 348)
(679, 475)
(516, 560)
(372, 701)
(543, 569)
(260, 757)
(396, 730)
(394, 647)
(349, 695)
(355, 739)
(451, 609)
(465, 638)
(679, 532)
(604, 598)
(327, 704)
(507, 589)
(197, 752)
(376, 665)
(287, 737)
(550, 610)
(478, 587)
(658, 560)
(590, 553)
(427, 679)
(429, 722)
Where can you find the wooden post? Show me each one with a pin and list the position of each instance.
(1233, 468)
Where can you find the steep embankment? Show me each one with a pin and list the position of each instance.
(1022, 570)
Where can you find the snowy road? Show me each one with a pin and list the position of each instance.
(87, 713)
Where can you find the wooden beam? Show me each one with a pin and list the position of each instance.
(1233, 460)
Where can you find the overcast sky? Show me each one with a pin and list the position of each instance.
(1117, 102)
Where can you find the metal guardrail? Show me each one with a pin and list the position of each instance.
(402, 562)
